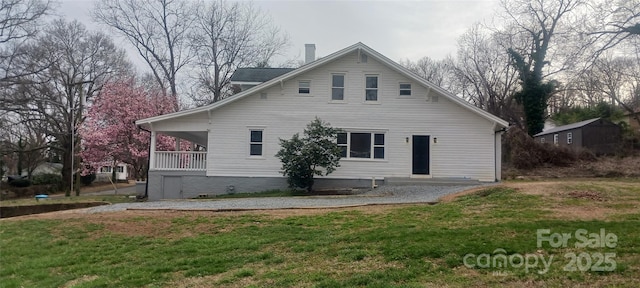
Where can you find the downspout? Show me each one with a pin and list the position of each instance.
(146, 184)
(495, 153)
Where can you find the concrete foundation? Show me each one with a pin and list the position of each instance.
(195, 184)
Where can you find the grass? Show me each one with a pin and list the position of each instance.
(379, 246)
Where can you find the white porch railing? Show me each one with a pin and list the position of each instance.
(180, 160)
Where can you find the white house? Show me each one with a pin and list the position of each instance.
(397, 125)
(106, 171)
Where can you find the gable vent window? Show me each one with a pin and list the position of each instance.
(255, 145)
(363, 58)
(304, 87)
(569, 138)
(405, 89)
(371, 88)
(337, 87)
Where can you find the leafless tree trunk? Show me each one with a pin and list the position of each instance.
(78, 63)
(157, 29)
(484, 75)
(228, 35)
(616, 79)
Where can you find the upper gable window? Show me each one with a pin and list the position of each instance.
(405, 89)
(337, 87)
(371, 88)
(363, 58)
(304, 87)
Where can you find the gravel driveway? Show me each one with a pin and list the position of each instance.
(382, 195)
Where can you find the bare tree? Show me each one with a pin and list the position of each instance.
(19, 22)
(616, 79)
(484, 76)
(228, 35)
(435, 71)
(27, 142)
(158, 29)
(78, 63)
(614, 22)
(546, 25)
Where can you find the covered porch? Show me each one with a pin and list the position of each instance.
(191, 158)
(191, 130)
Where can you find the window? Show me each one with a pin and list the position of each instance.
(361, 145)
(120, 169)
(555, 139)
(105, 169)
(255, 145)
(343, 144)
(542, 140)
(337, 87)
(304, 87)
(405, 89)
(371, 88)
(569, 138)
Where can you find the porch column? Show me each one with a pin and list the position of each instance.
(152, 151)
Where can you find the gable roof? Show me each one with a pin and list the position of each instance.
(359, 47)
(567, 127)
(257, 75)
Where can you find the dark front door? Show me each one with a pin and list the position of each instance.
(420, 155)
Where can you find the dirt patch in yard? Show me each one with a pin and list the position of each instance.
(159, 223)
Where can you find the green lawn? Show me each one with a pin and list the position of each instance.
(376, 246)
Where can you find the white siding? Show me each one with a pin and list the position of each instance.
(465, 145)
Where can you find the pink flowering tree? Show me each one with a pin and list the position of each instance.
(109, 133)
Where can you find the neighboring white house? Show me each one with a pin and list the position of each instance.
(397, 125)
(46, 168)
(106, 171)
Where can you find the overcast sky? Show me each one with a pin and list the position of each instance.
(397, 29)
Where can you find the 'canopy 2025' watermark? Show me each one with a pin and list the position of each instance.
(540, 263)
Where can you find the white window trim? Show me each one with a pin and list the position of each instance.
(344, 88)
(555, 139)
(248, 143)
(373, 146)
(377, 88)
(410, 89)
(569, 138)
(304, 94)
